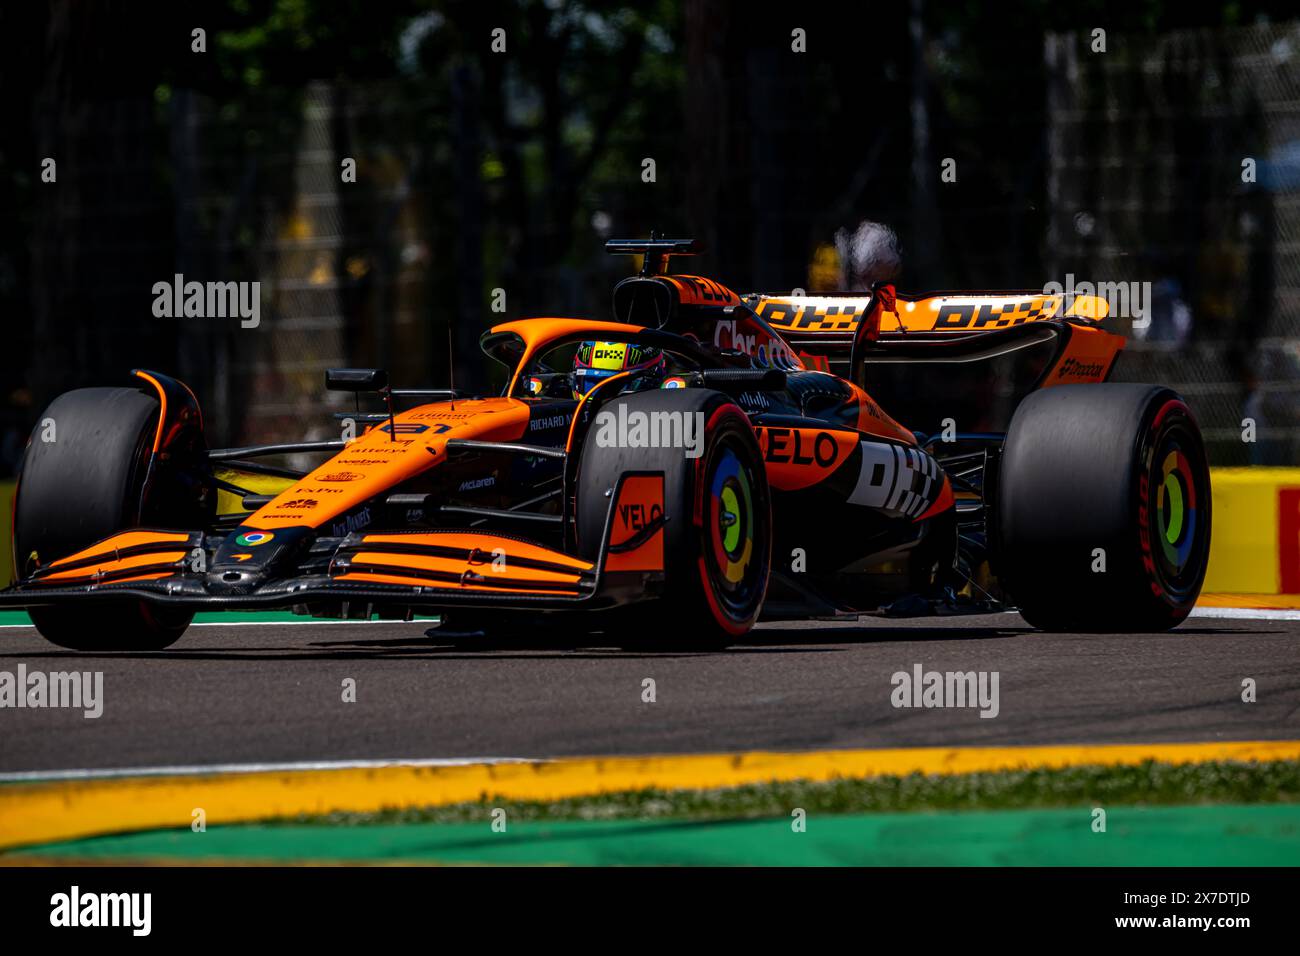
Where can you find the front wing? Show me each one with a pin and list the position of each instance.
(407, 569)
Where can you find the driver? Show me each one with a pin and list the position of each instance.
(597, 361)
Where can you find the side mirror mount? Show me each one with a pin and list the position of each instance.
(356, 379)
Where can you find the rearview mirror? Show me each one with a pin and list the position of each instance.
(356, 379)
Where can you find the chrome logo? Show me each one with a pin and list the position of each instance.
(251, 539)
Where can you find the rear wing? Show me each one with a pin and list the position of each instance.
(886, 312)
(842, 333)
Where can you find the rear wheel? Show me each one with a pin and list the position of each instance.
(718, 527)
(1103, 508)
(84, 485)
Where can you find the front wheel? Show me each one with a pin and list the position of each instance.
(83, 486)
(717, 510)
(1103, 509)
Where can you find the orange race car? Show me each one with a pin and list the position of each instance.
(670, 477)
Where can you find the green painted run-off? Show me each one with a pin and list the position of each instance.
(1258, 835)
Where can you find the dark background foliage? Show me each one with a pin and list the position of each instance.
(479, 171)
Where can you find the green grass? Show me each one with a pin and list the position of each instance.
(1146, 784)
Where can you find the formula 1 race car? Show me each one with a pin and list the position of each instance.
(668, 478)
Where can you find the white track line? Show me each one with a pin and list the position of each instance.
(1248, 613)
(1239, 613)
(305, 620)
(36, 776)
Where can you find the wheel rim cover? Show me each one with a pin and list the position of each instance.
(731, 522)
(1176, 514)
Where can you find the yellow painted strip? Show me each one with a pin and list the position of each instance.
(49, 812)
(1260, 602)
(1244, 534)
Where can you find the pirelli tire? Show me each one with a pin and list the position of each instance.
(77, 485)
(1103, 509)
(717, 521)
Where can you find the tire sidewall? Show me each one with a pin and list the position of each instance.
(693, 607)
(726, 430)
(1080, 483)
(86, 485)
(1170, 418)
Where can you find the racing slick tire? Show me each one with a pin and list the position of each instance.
(718, 530)
(83, 486)
(1103, 509)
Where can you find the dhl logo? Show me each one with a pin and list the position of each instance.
(970, 315)
(791, 317)
(936, 314)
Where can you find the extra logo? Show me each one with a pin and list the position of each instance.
(1072, 368)
(412, 428)
(699, 290)
(376, 449)
(341, 476)
(442, 414)
(353, 522)
(548, 421)
(252, 539)
(798, 446)
(763, 349)
(633, 517)
(298, 504)
(872, 409)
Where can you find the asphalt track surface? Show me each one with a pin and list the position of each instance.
(272, 693)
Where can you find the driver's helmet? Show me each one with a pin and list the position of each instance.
(597, 361)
